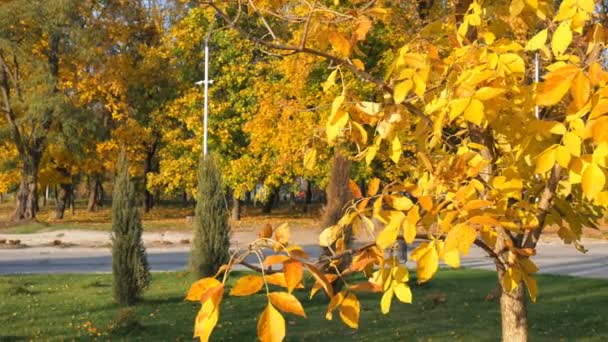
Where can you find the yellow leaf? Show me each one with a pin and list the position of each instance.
(460, 237)
(360, 134)
(474, 112)
(573, 143)
(402, 89)
(567, 10)
(458, 106)
(516, 7)
(206, 320)
(247, 285)
(556, 85)
(199, 288)
(281, 234)
(488, 93)
(385, 302)
(334, 130)
(403, 293)
(400, 202)
(329, 235)
(389, 234)
(278, 279)
(310, 159)
(538, 41)
(562, 156)
(331, 80)
(409, 230)
(362, 26)
(452, 258)
(396, 150)
(562, 37)
(271, 326)
(373, 187)
(287, 302)
(358, 64)
(512, 63)
(545, 161)
(427, 260)
(593, 181)
(340, 44)
(532, 286)
(335, 106)
(580, 89)
(293, 271)
(349, 311)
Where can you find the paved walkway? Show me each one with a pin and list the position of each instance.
(552, 258)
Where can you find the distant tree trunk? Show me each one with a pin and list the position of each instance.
(65, 193)
(308, 198)
(236, 208)
(27, 192)
(73, 198)
(93, 184)
(100, 191)
(45, 198)
(148, 168)
(269, 204)
(514, 314)
(185, 198)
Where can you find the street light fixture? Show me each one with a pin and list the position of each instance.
(206, 82)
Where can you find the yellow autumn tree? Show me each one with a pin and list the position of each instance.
(501, 107)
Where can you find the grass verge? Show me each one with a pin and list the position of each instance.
(451, 307)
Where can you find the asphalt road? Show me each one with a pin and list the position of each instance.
(551, 259)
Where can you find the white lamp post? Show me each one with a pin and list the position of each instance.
(206, 83)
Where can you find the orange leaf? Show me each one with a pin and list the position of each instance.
(247, 285)
(275, 259)
(580, 90)
(271, 326)
(354, 189)
(266, 232)
(293, 273)
(556, 85)
(366, 287)
(373, 187)
(321, 279)
(287, 302)
(200, 287)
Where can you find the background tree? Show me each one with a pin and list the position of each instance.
(211, 231)
(130, 270)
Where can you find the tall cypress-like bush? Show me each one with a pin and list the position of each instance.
(211, 230)
(130, 268)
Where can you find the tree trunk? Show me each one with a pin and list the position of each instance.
(93, 199)
(338, 193)
(308, 197)
(514, 313)
(148, 165)
(63, 199)
(270, 202)
(100, 191)
(236, 209)
(27, 193)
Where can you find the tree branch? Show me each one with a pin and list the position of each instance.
(335, 59)
(544, 205)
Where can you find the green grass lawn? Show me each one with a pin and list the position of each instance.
(67, 307)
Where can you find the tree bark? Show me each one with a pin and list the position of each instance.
(64, 195)
(27, 193)
(93, 189)
(267, 209)
(148, 167)
(236, 208)
(513, 311)
(338, 193)
(308, 197)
